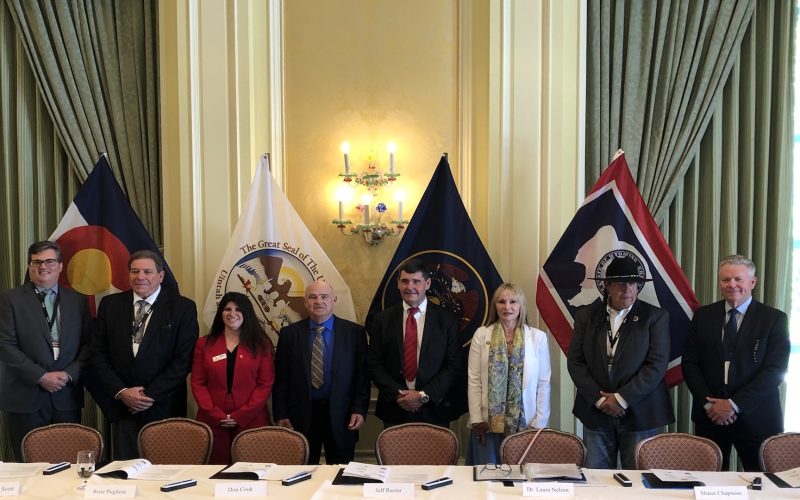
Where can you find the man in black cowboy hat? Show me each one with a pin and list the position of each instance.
(617, 359)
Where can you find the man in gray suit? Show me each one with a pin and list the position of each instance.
(617, 359)
(44, 334)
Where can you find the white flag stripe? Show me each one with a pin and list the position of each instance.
(271, 258)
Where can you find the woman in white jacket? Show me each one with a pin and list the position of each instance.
(509, 376)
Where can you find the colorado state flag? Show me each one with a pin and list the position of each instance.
(614, 220)
(463, 277)
(97, 234)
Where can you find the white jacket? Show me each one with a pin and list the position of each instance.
(535, 377)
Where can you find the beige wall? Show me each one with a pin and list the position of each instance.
(495, 83)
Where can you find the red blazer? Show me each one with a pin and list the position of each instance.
(253, 377)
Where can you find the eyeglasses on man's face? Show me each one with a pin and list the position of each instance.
(46, 262)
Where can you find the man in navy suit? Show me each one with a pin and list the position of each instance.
(142, 352)
(736, 356)
(321, 384)
(617, 359)
(44, 335)
(414, 354)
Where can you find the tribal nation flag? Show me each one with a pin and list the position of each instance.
(97, 235)
(463, 277)
(612, 221)
(271, 257)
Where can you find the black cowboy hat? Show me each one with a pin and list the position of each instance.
(624, 269)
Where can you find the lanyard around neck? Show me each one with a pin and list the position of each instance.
(49, 318)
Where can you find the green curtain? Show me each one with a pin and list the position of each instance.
(87, 85)
(95, 62)
(707, 131)
(36, 181)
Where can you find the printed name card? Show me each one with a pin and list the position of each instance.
(714, 492)
(393, 490)
(549, 490)
(9, 489)
(241, 489)
(109, 491)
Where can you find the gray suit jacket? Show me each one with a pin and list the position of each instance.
(26, 350)
(637, 374)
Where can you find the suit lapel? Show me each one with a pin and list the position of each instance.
(748, 326)
(157, 317)
(36, 305)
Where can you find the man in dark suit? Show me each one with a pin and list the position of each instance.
(617, 359)
(321, 384)
(414, 355)
(44, 335)
(736, 356)
(142, 352)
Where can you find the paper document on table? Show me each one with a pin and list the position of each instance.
(245, 470)
(162, 472)
(368, 471)
(554, 471)
(408, 476)
(790, 477)
(8, 470)
(125, 469)
(281, 472)
(675, 475)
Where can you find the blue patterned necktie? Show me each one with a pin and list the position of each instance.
(729, 336)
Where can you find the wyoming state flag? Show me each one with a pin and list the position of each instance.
(614, 221)
(97, 235)
(463, 277)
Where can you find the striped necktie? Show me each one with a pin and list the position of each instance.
(317, 358)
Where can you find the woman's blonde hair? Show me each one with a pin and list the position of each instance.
(518, 294)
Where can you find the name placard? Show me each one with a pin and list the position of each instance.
(549, 490)
(394, 490)
(9, 489)
(710, 492)
(109, 491)
(241, 489)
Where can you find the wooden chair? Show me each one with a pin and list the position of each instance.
(416, 444)
(780, 452)
(550, 447)
(271, 444)
(60, 443)
(176, 441)
(678, 451)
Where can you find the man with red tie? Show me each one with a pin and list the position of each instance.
(413, 356)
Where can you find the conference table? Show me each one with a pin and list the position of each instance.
(600, 485)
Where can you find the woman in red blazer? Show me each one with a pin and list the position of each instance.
(232, 374)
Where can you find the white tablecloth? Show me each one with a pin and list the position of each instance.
(601, 486)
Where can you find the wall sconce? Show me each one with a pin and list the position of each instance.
(373, 184)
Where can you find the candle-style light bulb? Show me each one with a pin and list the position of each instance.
(346, 151)
(398, 196)
(392, 148)
(365, 201)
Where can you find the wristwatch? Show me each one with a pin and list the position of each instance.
(423, 398)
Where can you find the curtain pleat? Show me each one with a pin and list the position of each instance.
(707, 130)
(95, 64)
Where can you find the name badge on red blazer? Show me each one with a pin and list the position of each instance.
(219, 357)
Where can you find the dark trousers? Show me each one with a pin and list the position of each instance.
(20, 424)
(321, 435)
(747, 444)
(125, 434)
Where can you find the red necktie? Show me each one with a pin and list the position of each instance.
(410, 346)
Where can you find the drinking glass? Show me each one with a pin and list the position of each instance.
(85, 466)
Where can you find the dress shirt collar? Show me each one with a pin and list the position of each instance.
(423, 306)
(328, 324)
(150, 300)
(742, 308)
(42, 289)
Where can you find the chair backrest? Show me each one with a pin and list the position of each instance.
(271, 444)
(678, 451)
(60, 443)
(780, 452)
(176, 441)
(551, 447)
(416, 444)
